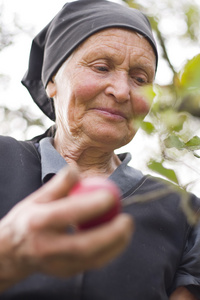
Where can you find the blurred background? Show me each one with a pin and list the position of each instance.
(176, 26)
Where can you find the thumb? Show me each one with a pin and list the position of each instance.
(58, 187)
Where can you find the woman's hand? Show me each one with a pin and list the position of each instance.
(182, 293)
(35, 237)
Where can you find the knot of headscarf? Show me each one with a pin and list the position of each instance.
(69, 28)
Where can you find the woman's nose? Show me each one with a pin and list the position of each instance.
(119, 88)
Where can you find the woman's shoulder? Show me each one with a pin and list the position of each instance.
(10, 146)
(18, 155)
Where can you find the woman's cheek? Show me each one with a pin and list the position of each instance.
(88, 88)
(140, 106)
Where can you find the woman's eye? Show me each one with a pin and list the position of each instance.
(141, 80)
(102, 68)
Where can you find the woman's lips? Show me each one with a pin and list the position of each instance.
(111, 113)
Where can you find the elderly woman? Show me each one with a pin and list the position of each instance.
(84, 71)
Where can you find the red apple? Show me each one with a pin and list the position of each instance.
(89, 185)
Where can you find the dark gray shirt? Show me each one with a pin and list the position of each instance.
(162, 255)
(128, 178)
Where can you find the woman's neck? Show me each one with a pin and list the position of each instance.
(91, 160)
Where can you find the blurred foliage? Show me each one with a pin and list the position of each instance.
(18, 121)
(173, 111)
(5, 35)
(183, 14)
(6, 38)
(176, 107)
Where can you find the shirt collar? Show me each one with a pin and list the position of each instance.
(51, 161)
(125, 176)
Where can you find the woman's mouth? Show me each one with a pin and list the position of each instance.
(111, 113)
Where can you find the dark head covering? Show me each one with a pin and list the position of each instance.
(72, 25)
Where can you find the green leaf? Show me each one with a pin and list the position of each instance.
(193, 144)
(132, 4)
(174, 141)
(160, 169)
(192, 15)
(148, 127)
(191, 103)
(196, 155)
(148, 92)
(173, 120)
(190, 77)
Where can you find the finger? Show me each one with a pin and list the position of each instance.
(89, 249)
(101, 244)
(57, 187)
(76, 210)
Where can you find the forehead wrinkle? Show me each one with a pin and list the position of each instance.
(106, 35)
(143, 56)
(140, 60)
(107, 52)
(100, 45)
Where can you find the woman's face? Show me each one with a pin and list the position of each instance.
(95, 91)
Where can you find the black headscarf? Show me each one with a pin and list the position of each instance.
(71, 26)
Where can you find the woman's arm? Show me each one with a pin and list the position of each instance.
(33, 235)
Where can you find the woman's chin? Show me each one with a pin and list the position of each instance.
(111, 140)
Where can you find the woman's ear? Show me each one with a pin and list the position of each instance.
(51, 89)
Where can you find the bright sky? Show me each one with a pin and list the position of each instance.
(14, 60)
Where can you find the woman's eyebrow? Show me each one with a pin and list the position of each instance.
(99, 52)
(149, 68)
